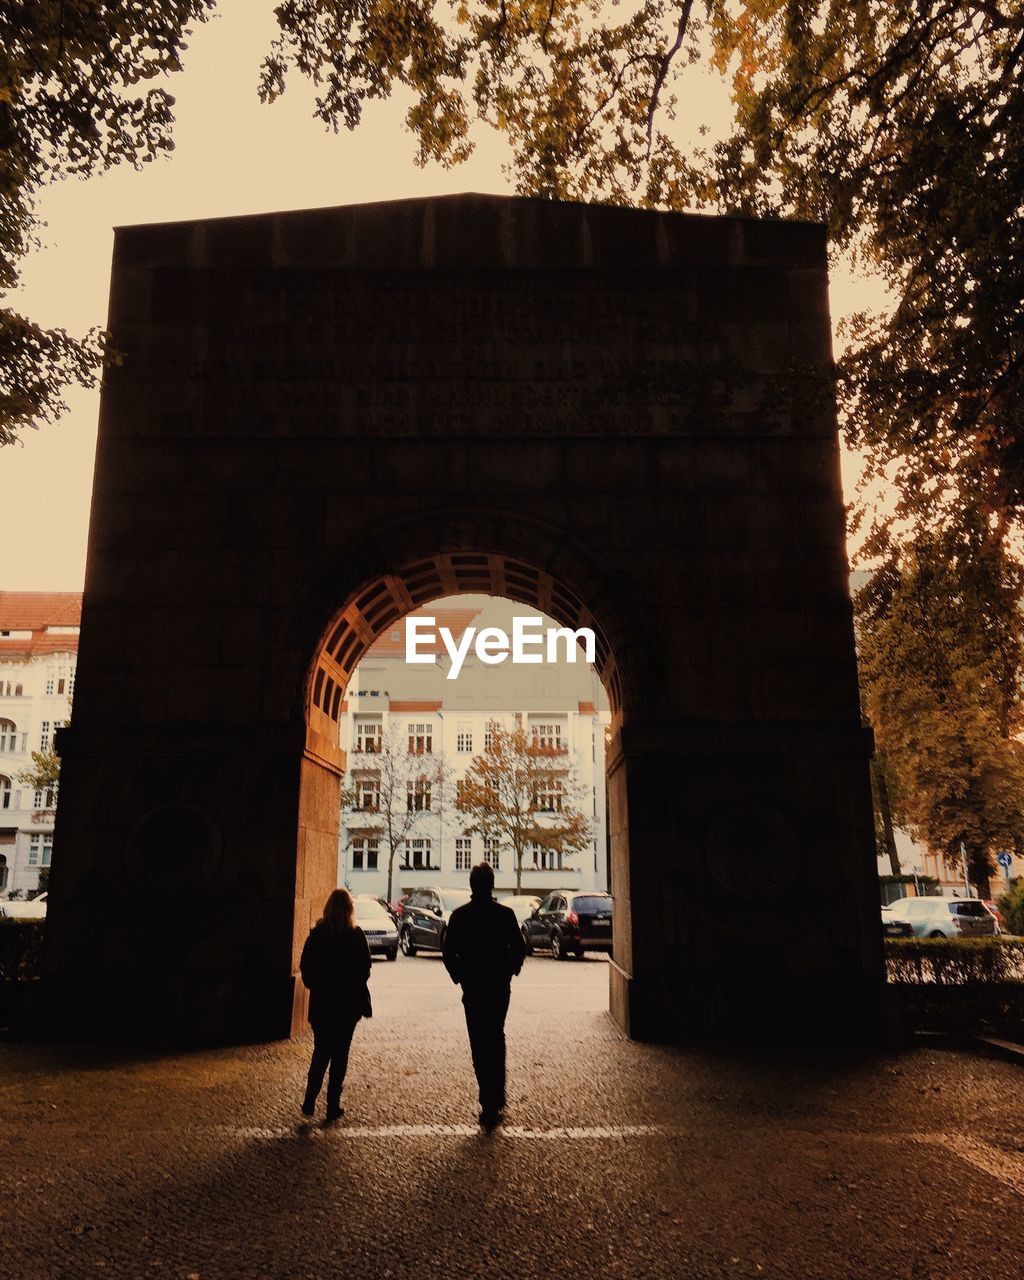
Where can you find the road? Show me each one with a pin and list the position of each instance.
(618, 1159)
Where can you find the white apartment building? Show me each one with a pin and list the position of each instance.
(38, 652)
(561, 705)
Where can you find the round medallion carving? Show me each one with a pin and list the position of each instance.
(753, 852)
(175, 847)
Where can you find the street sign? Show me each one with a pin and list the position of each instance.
(1004, 859)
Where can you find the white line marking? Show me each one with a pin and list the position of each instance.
(982, 1156)
(389, 1131)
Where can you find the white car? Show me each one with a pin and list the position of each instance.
(380, 930)
(945, 917)
(34, 909)
(522, 904)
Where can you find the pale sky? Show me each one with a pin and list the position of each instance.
(232, 156)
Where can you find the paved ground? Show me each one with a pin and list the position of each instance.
(618, 1159)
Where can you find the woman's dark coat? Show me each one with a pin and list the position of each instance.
(335, 967)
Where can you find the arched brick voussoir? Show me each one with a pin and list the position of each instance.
(361, 588)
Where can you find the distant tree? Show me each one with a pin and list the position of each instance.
(942, 659)
(523, 794)
(44, 775)
(411, 786)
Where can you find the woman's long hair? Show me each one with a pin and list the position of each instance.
(339, 912)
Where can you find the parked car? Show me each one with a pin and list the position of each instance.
(425, 916)
(33, 909)
(569, 923)
(894, 926)
(522, 904)
(1000, 918)
(381, 931)
(372, 897)
(946, 917)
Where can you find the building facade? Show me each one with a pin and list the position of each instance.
(418, 709)
(38, 653)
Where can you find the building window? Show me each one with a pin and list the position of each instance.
(463, 853)
(545, 859)
(48, 690)
(46, 799)
(8, 736)
(44, 736)
(40, 848)
(5, 793)
(368, 736)
(547, 737)
(60, 685)
(549, 794)
(489, 737)
(71, 684)
(3, 872)
(418, 856)
(421, 739)
(365, 851)
(492, 852)
(368, 793)
(464, 741)
(417, 794)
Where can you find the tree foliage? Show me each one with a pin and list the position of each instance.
(898, 125)
(397, 771)
(68, 69)
(522, 794)
(942, 658)
(45, 772)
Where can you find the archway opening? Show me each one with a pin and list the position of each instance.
(330, 854)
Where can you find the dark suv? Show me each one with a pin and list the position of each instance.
(569, 923)
(425, 916)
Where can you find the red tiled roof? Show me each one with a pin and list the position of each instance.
(414, 706)
(35, 611)
(391, 644)
(587, 709)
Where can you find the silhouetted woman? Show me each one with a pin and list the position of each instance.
(335, 966)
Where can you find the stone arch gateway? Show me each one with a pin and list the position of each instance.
(325, 418)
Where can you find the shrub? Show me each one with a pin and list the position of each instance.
(1011, 904)
(21, 943)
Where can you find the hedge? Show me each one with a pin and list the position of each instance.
(959, 962)
(961, 986)
(21, 943)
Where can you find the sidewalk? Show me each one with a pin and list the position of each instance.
(618, 1159)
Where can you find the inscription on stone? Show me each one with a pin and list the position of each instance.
(469, 353)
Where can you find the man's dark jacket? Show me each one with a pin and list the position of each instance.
(483, 947)
(336, 967)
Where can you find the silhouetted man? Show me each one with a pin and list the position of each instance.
(484, 951)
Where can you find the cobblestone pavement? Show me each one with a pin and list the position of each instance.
(617, 1160)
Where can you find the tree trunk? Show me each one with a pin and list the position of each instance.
(882, 790)
(519, 870)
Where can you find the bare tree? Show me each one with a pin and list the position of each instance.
(399, 783)
(525, 794)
